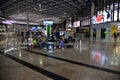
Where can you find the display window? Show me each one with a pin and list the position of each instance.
(99, 18)
(115, 15)
(85, 22)
(119, 14)
(109, 13)
(102, 17)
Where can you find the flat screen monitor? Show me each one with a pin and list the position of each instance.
(76, 24)
(48, 22)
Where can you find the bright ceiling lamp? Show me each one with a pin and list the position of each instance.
(10, 22)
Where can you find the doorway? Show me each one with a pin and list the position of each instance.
(94, 32)
(103, 30)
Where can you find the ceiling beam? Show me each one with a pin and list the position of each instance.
(7, 4)
(82, 2)
(72, 3)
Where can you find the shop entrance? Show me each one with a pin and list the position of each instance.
(94, 32)
(103, 33)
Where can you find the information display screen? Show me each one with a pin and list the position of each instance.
(48, 22)
(76, 24)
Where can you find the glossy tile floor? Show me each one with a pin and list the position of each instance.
(106, 55)
(93, 60)
(11, 70)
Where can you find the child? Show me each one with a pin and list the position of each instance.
(30, 43)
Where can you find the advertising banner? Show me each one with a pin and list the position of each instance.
(48, 30)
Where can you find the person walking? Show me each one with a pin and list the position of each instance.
(115, 36)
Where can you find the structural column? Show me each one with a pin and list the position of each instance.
(92, 13)
(92, 9)
(27, 24)
(27, 20)
(118, 10)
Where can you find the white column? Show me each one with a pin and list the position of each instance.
(80, 46)
(92, 9)
(27, 20)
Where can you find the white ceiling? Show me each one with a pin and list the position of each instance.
(39, 10)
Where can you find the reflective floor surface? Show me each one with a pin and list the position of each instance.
(91, 60)
(106, 55)
(11, 70)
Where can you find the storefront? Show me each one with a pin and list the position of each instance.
(104, 31)
(83, 32)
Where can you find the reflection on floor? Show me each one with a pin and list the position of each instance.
(11, 70)
(104, 55)
(97, 61)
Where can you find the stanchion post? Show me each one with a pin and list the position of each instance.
(80, 46)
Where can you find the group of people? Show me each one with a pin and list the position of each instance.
(39, 38)
(26, 34)
(43, 40)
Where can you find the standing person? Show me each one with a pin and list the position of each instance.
(22, 34)
(67, 35)
(57, 34)
(27, 35)
(30, 43)
(61, 42)
(49, 38)
(115, 36)
(43, 43)
(52, 38)
(70, 37)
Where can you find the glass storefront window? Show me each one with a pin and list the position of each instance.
(115, 15)
(111, 7)
(119, 14)
(112, 15)
(116, 6)
(85, 22)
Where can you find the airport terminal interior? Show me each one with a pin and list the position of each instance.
(59, 39)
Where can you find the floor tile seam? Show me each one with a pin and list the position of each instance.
(35, 68)
(79, 63)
